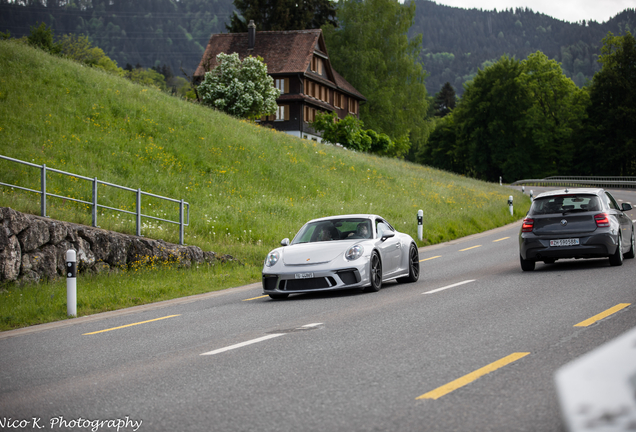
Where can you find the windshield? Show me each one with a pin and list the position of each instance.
(565, 204)
(334, 229)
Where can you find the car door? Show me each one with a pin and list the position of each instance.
(624, 221)
(390, 249)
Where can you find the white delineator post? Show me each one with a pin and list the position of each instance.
(510, 204)
(420, 221)
(71, 283)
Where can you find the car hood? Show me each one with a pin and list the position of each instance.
(314, 253)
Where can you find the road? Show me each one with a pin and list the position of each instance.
(472, 346)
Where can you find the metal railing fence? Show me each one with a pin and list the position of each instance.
(580, 181)
(184, 207)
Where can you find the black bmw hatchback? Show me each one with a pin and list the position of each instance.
(575, 223)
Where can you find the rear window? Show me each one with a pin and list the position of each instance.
(565, 203)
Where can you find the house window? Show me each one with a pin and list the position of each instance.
(316, 65)
(282, 84)
(309, 114)
(282, 113)
(336, 99)
(353, 106)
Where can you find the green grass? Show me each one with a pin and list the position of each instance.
(248, 186)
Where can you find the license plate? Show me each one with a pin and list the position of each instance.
(304, 275)
(564, 242)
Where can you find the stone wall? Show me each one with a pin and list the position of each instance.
(33, 248)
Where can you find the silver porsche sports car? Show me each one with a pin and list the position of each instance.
(341, 252)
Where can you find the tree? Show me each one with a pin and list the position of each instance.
(515, 120)
(610, 129)
(490, 122)
(42, 37)
(445, 100)
(148, 77)
(370, 48)
(347, 132)
(271, 15)
(79, 48)
(556, 114)
(242, 89)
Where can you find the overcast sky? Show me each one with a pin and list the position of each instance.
(565, 10)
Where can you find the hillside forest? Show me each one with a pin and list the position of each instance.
(455, 42)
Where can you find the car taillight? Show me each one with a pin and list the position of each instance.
(602, 220)
(527, 226)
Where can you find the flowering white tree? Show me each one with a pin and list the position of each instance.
(241, 89)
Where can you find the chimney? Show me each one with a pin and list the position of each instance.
(251, 34)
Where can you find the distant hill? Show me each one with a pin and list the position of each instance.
(456, 42)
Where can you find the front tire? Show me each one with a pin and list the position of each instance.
(526, 265)
(279, 296)
(631, 252)
(375, 274)
(617, 258)
(414, 266)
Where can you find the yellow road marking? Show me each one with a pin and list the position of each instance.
(602, 315)
(254, 298)
(505, 238)
(426, 259)
(473, 247)
(467, 379)
(130, 325)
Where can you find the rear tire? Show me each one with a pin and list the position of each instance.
(526, 265)
(375, 274)
(631, 252)
(617, 258)
(414, 266)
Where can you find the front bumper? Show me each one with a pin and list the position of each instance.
(323, 280)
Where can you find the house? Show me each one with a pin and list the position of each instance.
(299, 64)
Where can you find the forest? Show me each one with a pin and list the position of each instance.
(456, 42)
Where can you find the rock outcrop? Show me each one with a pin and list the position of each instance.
(33, 248)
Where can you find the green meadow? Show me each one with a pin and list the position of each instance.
(248, 186)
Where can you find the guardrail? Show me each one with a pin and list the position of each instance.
(574, 181)
(184, 207)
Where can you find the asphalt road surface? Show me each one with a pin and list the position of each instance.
(472, 346)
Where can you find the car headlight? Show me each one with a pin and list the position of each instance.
(272, 258)
(354, 252)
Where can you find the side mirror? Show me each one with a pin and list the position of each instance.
(626, 207)
(387, 235)
(284, 242)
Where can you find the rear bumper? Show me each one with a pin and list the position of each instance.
(535, 248)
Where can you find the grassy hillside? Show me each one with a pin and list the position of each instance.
(248, 186)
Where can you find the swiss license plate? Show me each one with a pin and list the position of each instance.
(304, 275)
(564, 242)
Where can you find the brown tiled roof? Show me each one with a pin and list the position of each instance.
(344, 85)
(284, 52)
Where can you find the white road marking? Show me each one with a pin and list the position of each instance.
(253, 341)
(311, 325)
(449, 286)
(242, 344)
